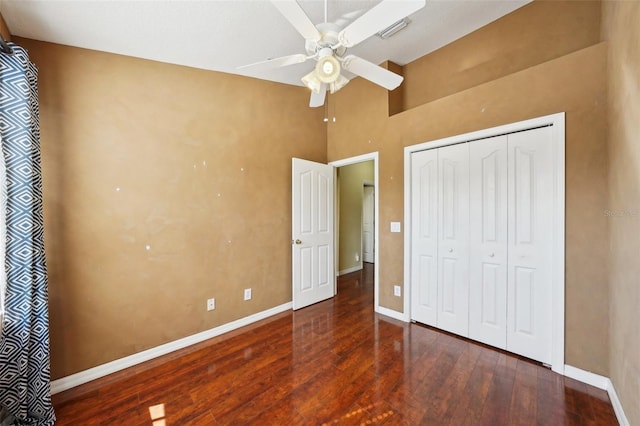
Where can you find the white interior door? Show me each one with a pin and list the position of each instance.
(488, 241)
(367, 223)
(312, 235)
(424, 238)
(530, 225)
(453, 239)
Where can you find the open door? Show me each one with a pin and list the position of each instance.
(312, 237)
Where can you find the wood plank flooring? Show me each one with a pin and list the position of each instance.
(336, 362)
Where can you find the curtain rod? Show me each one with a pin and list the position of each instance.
(4, 46)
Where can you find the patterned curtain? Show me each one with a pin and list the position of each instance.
(24, 345)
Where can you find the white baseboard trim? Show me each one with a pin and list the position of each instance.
(99, 371)
(587, 377)
(350, 270)
(391, 313)
(617, 405)
(600, 382)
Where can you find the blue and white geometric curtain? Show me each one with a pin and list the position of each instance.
(25, 395)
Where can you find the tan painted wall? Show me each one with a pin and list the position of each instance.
(574, 83)
(4, 30)
(533, 34)
(195, 165)
(620, 28)
(350, 180)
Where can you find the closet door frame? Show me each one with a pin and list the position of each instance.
(557, 123)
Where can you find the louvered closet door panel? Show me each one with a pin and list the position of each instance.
(488, 241)
(453, 239)
(530, 221)
(424, 240)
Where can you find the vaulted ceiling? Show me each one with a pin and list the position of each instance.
(222, 35)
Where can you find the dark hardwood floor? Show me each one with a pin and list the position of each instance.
(336, 362)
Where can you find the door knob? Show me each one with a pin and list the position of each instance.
(491, 255)
(450, 250)
(298, 242)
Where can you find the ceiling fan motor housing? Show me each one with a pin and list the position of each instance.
(328, 39)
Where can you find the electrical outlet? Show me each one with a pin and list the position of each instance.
(397, 291)
(357, 257)
(211, 304)
(247, 294)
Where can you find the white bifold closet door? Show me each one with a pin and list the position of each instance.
(488, 241)
(453, 239)
(440, 243)
(530, 250)
(424, 239)
(481, 244)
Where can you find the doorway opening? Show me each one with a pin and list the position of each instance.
(356, 217)
(355, 196)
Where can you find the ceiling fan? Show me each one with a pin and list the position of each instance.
(327, 44)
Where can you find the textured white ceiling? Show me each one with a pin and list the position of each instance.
(222, 35)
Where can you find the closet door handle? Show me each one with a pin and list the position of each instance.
(492, 254)
(450, 250)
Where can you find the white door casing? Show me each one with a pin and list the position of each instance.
(488, 241)
(530, 250)
(312, 238)
(368, 223)
(453, 239)
(424, 242)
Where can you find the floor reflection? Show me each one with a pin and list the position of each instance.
(338, 362)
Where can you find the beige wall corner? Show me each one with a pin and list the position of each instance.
(621, 30)
(396, 97)
(536, 33)
(4, 30)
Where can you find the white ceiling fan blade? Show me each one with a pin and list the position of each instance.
(372, 72)
(283, 61)
(291, 10)
(349, 17)
(317, 99)
(378, 18)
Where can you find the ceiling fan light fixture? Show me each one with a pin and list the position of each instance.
(312, 82)
(327, 69)
(340, 82)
